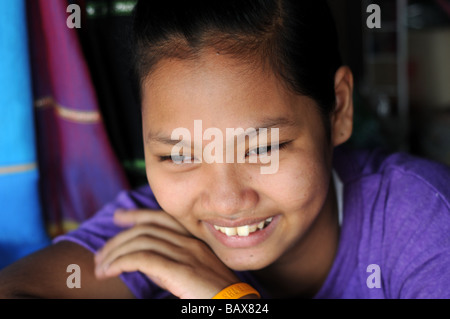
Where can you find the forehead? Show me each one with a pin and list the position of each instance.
(218, 89)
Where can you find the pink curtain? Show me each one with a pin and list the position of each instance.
(79, 170)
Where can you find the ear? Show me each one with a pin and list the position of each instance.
(342, 117)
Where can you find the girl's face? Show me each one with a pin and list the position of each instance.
(213, 199)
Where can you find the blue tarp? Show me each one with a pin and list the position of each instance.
(22, 229)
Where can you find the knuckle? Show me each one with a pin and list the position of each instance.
(141, 228)
(144, 254)
(196, 245)
(189, 269)
(142, 240)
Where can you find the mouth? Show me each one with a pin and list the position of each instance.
(245, 230)
(243, 234)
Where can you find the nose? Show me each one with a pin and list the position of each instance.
(227, 193)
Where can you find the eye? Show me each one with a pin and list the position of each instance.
(266, 149)
(177, 159)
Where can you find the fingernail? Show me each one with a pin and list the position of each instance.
(98, 270)
(101, 269)
(122, 219)
(105, 268)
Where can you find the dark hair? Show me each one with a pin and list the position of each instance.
(296, 38)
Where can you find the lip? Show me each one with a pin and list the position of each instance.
(253, 239)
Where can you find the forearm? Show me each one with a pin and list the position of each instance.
(44, 274)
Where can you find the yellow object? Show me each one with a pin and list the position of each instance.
(237, 291)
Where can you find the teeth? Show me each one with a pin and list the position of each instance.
(245, 230)
(230, 231)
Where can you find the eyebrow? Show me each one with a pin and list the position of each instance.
(280, 122)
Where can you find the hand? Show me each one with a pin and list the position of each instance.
(161, 248)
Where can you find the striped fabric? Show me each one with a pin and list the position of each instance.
(22, 229)
(79, 170)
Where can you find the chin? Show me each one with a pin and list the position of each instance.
(246, 261)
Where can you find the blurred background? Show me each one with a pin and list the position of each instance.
(402, 74)
(70, 118)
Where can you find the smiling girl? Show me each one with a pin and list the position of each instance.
(309, 230)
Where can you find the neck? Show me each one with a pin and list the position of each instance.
(302, 270)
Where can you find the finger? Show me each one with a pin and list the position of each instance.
(154, 265)
(142, 243)
(141, 230)
(145, 216)
(181, 279)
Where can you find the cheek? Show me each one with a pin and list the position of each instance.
(172, 194)
(301, 183)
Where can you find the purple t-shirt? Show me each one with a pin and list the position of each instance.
(395, 231)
